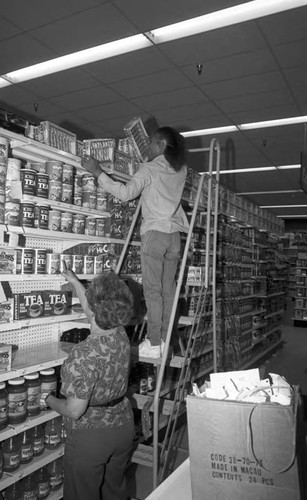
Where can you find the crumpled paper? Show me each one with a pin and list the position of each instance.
(246, 385)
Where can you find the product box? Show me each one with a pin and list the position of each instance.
(246, 451)
(5, 357)
(28, 305)
(7, 311)
(58, 137)
(8, 261)
(57, 302)
(101, 149)
(135, 130)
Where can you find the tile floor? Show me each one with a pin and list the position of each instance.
(290, 360)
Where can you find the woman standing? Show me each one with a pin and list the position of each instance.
(160, 182)
(100, 428)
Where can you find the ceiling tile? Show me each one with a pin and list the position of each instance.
(151, 84)
(254, 101)
(21, 51)
(214, 44)
(245, 85)
(233, 66)
(161, 13)
(264, 113)
(7, 29)
(131, 65)
(296, 76)
(98, 25)
(170, 99)
(286, 26)
(291, 54)
(31, 14)
(61, 83)
(203, 110)
(16, 95)
(99, 114)
(85, 98)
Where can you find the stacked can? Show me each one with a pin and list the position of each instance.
(55, 171)
(77, 199)
(12, 192)
(68, 183)
(89, 191)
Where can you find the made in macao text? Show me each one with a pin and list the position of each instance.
(231, 468)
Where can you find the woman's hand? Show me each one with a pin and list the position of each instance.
(91, 165)
(69, 275)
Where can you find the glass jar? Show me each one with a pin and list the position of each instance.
(33, 385)
(17, 400)
(53, 433)
(26, 448)
(11, 454)
(43, 483)
(38, 438)
(49, 382)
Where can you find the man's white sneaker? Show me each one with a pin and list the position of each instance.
(146, 350)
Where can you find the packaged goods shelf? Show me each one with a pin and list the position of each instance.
(24, 470)
(59, 235)
(262, 354)
(42, 277)
(36, 358)
(275, 313)
(27, 424)
(66, 207)
(17, 325)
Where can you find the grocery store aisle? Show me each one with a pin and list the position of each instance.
(290, 361)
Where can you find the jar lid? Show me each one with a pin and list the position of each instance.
(2, 385)
(31, 376)
(17, 381)
(48, 371)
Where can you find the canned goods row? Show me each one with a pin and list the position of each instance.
(28, 214)
(37, 261)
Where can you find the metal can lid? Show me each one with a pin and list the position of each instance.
(17, 381)
(48, 371)
(31, 376)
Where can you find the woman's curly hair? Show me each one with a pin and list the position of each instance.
(110, 300)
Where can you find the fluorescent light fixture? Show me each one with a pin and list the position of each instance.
(210, 131)
(287, 191)
(86, 56)
(4, 83)
(283, 206)
(245, 126)
(220, 19)
(273, 123)
(258, 169)
(298, 216)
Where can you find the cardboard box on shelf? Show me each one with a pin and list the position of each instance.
(246, 451)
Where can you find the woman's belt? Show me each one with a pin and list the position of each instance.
(109, 404)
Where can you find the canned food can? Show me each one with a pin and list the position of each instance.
(66, 222)
(28, 181)
(25, 260)
(89, 199)
(77, 264)
(55, 170)
(78, 224)
(27, 214)
(40, 261)
(67, 193)
(102, 201)
(90, 226)
(88, 264)
(78, 183)
(12, 213)
(98, 264)
(3, 172)
(4, 148)
(54, 220)
(39, 167)
(42, 185)
(68, 174)
(88, 182)
(55, 190)
(53, 263)
(78, 200)
(13, 169)
(67, 258)
(41, 219)
(103, 227)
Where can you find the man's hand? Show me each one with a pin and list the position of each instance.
(91, 165)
